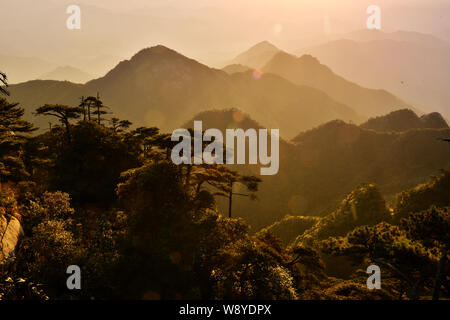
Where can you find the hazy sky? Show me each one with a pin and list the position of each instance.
(212, 31)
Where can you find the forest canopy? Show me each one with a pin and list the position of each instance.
(96, 192)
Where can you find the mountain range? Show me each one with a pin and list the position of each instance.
(307, 70)
(410, 65)
(405, 119)
(318, 167)
(366, 35)
(257, 56)
(159, 86)
(20, 69)
(321, 158)
(67, 73)
(413, 69)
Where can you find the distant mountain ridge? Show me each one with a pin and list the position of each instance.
(158, 86)
(236, 68)
(405, 119)
(321, 165)
(366, 35)
(413, 70)
(21, 69)
(257, 56)
(67, 73)
(307, 70)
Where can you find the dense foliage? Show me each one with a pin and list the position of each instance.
(97, 194)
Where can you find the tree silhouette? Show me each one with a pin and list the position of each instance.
(223, 180)
(142, 137)
(13, 130)
(62, 112)
(3, 82)
(119, 125)
(89, 103)
(432, 229)
(218, 176)
(99, 109)
(163, 142)
(95, 103)
(407, 259)
(83, 105)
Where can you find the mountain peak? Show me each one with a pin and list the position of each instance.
(66, 73)
(284, 57)
(306, 63)
(153, 62)
(257, 56)
(405, 119)
(434, 120)
(264, 45)
(337, 130)
(155, 51)
(307, 58)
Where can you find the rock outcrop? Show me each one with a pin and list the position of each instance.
(10, 233)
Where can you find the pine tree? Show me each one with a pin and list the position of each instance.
(62, 112)
(119, 125)
(407, 260)
(13, 130)
(224, 180)
(3, 83)
(97, 105)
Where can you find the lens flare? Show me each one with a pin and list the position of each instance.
(257, 74)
